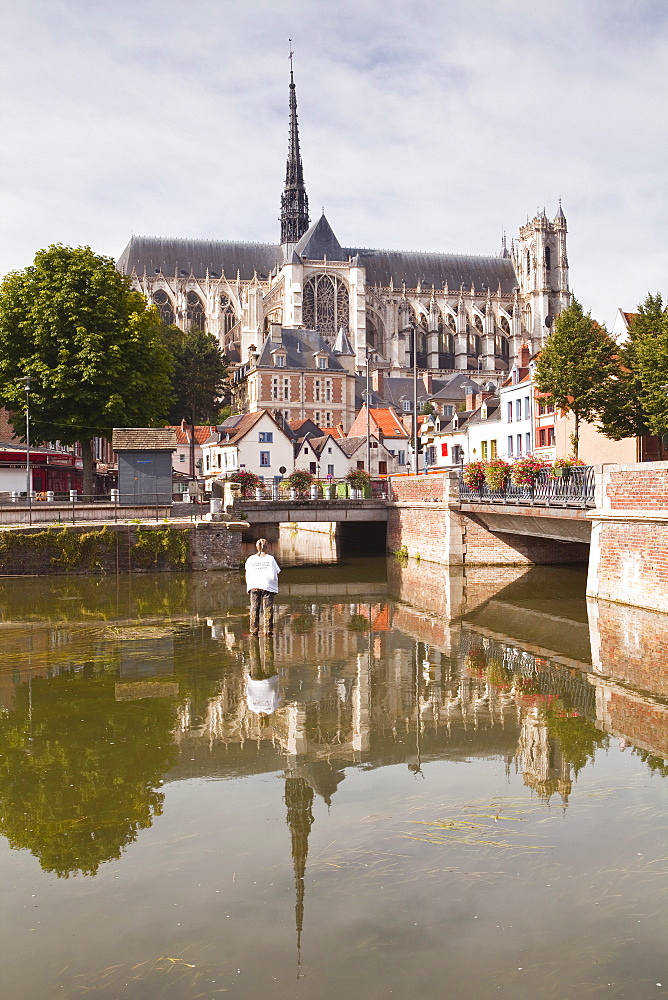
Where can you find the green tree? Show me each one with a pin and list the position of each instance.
(650, 330)
(91, 346)
(200, 378)
(637, 397)
(576, 365)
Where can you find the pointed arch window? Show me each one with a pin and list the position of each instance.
(227, 313)
(325, 304)
(548, 255)
(194, 311)
(164, 306)
(528, 263)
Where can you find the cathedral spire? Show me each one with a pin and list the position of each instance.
(294, 201)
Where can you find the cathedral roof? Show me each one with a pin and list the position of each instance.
(181, 257)
(436, 269)
(320, 243)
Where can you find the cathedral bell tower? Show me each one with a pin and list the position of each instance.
(294, 200)
(541, 264)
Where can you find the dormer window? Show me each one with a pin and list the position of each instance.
(279, 360)
(483, 411)
(322, 362)
(406, 403)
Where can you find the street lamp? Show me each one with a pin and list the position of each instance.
(26, 379)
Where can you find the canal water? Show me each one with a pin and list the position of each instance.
(427, 784)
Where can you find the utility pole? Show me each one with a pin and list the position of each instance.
(415, 424)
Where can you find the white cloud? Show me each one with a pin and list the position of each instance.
(422, 127)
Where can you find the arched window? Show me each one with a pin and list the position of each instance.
(505, 326)
(528, 263)
(547, 258)
(477, 322)
(325, 304)
(227, 314)
(526, 315)
(194, 311)
(161, 300)
(450, 320)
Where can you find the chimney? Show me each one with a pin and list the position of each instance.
(471, 399)
(275, 333)
(427, 379)
(377, 381)
(524, 357)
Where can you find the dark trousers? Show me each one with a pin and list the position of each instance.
(266, 599)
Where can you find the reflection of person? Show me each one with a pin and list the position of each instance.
(262, 693)
(262, 583)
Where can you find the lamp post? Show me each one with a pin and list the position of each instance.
(415, 450)
(369, 355)
(26, 385)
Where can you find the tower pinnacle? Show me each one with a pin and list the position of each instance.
(294, 201)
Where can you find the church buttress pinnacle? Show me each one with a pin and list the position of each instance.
(294, 201)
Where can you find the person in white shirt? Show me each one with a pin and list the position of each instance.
(262, 584)
(263, 694)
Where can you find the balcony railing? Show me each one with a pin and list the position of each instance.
(575, 488)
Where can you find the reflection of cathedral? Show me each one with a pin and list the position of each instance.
(468, 312)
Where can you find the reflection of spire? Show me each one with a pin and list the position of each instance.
(299, 799)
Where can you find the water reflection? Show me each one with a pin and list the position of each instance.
(115, 695)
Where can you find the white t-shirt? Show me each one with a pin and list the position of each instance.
(262, 573)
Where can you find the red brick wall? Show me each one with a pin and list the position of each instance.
(631, 645)
(418, 487)
(486, 548)
(645, 488)
(633, 563)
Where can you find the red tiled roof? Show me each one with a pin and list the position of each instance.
(202, 433)
(334, 432)
(387, 423)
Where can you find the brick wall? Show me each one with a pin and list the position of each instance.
(642, 487)
(630, 645)
(630, 563)
(407, 488)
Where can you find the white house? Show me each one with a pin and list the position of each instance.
(516, 401)
(323, 456)
(383, 462)
(182, 456)
(253, 442)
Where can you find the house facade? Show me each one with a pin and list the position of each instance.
(252, 442)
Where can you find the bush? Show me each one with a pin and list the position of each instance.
(474, 474)
(248, 482)
(300, 480)
(496, 474)
(524, 471)
(358, 479)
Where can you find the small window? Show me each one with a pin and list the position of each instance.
(330, 469)
(510, 413)
(483, 449)
(526, 408)
(322, 362)
(279, 360)
(448, 411)
(547, 258)
(527, 442)
(541, 438)
(510, 444)
(402, 457)
(329, 451)
(518, 409)
(492, 448)
(519, 444)
(265, 459)
(360, 465)
(406, 404)
(312, 467)
(266, 437)
(182, 458)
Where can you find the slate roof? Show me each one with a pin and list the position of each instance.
(493, 412)
(455, 388)
(349, 445)
(301, 347)
(183, 257)
(318, 444)
(235, 427)
(320, 242)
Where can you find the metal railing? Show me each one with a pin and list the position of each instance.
(575, 488)
(73, 507)
(332, 490)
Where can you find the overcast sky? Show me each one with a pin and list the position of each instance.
(424, 126)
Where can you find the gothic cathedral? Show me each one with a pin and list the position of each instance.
(462, 313)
